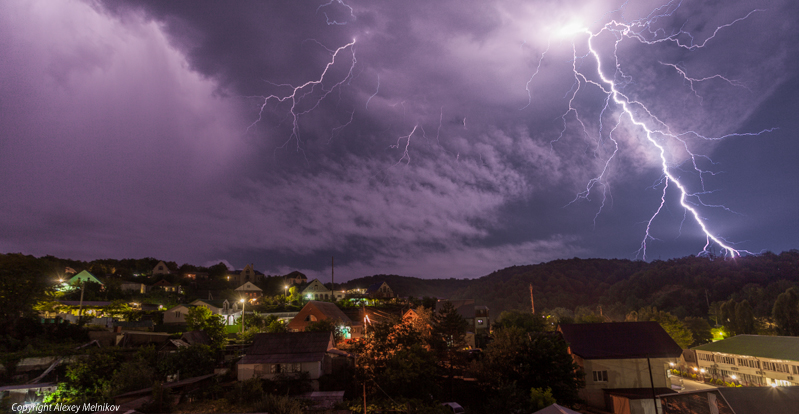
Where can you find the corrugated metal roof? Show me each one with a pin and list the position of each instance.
(619, 340)
(774, 347)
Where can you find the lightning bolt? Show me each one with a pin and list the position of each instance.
(331, 22)
(658, 134)
(309, 94)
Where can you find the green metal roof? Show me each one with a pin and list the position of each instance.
(774, 347)
(83, 276)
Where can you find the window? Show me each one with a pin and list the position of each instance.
(773, 366)
(705, 357)
(310, 318)
(600, 376)
(725, 360)
(748, 363)
(480, 321)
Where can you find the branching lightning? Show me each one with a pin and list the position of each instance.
(658, 134)
(314, 92)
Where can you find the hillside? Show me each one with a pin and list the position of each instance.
(412, 286)
(684, 286)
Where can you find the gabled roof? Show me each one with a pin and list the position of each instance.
(162, 282)
(83, 276)
(249, 287)
(296, 275)
(374, 287)
(775, 347)
(196, 337)
(619, 340)
(218, 303)
(288, 347)
(329, 310)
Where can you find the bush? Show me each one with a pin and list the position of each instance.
(278, 404)
(246, 392)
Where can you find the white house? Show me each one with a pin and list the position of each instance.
(316, 290)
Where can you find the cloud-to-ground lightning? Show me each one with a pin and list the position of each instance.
(641, 118)
(313, 91)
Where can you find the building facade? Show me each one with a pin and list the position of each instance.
(754, 360)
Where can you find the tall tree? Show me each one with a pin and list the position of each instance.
(24, 282)
(531, 360)
(448, 336)
(786, 312)
(200, 318)
(744, 318)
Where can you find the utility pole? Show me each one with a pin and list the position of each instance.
(652, 383)
(80, 308)
(532, 302)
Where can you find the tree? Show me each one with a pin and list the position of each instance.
(23, 283)
(326, 325)
(786, 312)
(200, 318)
(541, 398)
(531, 360)
(744, 318)
(525, 321)
(670, 323)
(190, 361)
(394, 358)
(700, 330)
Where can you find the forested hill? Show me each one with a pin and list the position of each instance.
(560, 283)
(412, 286)
(684, 286)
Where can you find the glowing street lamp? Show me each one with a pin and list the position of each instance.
(285, 290)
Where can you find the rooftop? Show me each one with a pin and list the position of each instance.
(619, 340)
(288, 347)
(774, 347)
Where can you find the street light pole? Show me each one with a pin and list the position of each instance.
(243, 304)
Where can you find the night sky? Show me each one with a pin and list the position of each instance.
(430, 139)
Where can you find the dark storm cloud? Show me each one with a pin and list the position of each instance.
(126, 132)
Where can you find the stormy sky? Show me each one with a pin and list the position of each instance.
(428, 139)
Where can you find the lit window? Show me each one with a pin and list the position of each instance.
(480, 321)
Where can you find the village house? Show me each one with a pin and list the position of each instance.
(250, 292)
(379, 290)
(316, 290)
(135, 287)
(316, 311)
(248, 274)
(295, 278)
(161, 269)
(177, 314)
(622, 362)
(272, 354)
(164, 285)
